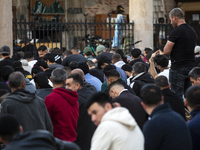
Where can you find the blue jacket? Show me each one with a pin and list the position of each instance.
(93, 81)
(194, 127)
(166, 130)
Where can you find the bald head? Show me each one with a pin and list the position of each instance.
(79, 71)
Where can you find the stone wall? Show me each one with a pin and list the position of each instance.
(169, 5)
(93, 7)
(190, 6)
(22, 8)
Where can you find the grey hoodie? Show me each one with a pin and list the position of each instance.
(29, 110)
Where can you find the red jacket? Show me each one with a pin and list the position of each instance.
(63, 109)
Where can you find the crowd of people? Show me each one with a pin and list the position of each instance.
(103, 100)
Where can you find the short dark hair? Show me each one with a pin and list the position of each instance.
(41, 63)
(49, 57)
(150, 94)
(16, 64)
(28, 55)
(58, 76)
(194, 73)
(76, 78)
(127, 67)
(100, 98)
(103, 60)
(42, 80)
(16, 57)
(148, 56)
(75, 49)
(42, 48)
(67, 53)
(84, 67)
(57, 50)
(161, 60)
(135, 53)
(148, 50)
(16, 79)
(161, 20)
(161, 81)
(112, 73)
(5, 72)
(116, 57)
(139, 67)
(73, 65)
(108, 68)
(193, 96)
(20, 70)
(176, 12)
(90, 63)
(9, 126)
(67, 69)
(35, 70)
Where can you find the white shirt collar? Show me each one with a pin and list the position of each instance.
(123, 91)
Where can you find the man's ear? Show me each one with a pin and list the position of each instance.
(21, 129)
(78, 86)
(143, 105)
(37, 86)
(162, 99)
(65, 81)
(185, 102)
(131, 57)
(112, 62)
(50, 79)
(9, 85)
(169, 85)
(198, 78)
(108, 107)
(133, 72)
(23, 85)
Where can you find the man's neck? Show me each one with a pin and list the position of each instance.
(29, 59)
(75, 53)
(162, 88)
(5, 57)
(136, 58)
(162, 69)
(180, 22)
(50, 63)
(58, 86)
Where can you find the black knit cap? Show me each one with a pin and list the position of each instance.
(8, 124)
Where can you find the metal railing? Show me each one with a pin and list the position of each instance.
(58, 32)
(161, 34)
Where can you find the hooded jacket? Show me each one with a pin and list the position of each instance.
(118, 131)
(85, 127)
(89, 86)
(139, 80)
(63, 109)
(29, 86)
(119, 64)
(25, 65)
(29, 109)
(38, 140)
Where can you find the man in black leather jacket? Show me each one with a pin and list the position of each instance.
(11, 134)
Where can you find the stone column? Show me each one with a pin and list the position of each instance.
(6, 37)
(141, 13)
